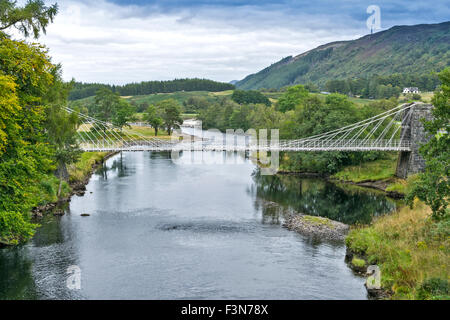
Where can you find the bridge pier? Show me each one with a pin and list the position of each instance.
(411, 162)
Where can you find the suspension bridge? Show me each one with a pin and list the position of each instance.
(398, 129)
(386, 131)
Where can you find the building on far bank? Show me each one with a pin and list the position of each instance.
(411, 90)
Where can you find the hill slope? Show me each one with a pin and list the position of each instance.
(415, 49)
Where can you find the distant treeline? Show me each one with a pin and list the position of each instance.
(83, 90)
(379, 87)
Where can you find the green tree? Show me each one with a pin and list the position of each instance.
(292, 98)
(433, 185)
(61, 127)
(26, 156)
(34, 17)
(106, 104)
(26, 151)
(153, 117)
(245, 97)
(171, 114)
(123, 114)
(262, 117)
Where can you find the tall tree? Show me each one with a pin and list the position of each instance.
(153, 117)
(33, 17)
(292, 98)
(171, 114)
(107, 104)
(123, 114)
(25, 153)
(61, 127)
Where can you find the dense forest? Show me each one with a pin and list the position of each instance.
(383, 87)
(83, 90)
(417, 50)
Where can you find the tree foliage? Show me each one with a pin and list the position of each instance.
(153, 117)
(26, 76)
(110, 107)
(292, 98)
(36, 135)
(33, 17)
(170, 114)
(383, 87)
(433, 185)
(245, 97)
(303, 115)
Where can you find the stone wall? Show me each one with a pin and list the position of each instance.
(411, 162)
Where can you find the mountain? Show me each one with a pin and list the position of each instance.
(417, 49)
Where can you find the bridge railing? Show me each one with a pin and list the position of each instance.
(281, 145)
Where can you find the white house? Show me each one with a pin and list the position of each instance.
(411, 90)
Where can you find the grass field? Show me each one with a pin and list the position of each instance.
(427, 96)
(148, 132)
(178, 96)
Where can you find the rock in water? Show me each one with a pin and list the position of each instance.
(85, 214)
(317, 227)
(58, 212)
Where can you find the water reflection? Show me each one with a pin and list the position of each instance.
(344, 203)
(117, 167)
(17, 281)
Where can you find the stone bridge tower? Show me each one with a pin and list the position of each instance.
(411, 162)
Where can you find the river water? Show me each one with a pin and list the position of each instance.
(163, 229)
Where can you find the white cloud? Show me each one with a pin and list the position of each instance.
(103, 42)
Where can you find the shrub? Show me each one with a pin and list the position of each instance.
(14, 229)
(357, 262)
(416, 96)
(434, 289)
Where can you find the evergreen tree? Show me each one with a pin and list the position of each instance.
(34, 17)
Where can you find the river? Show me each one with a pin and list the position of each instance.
(160, 229)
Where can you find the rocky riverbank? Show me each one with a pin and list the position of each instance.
(359, 265)
(317, 227)
(77, 187)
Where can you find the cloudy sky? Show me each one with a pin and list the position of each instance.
(119, 41)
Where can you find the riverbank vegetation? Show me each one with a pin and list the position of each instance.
(412, 246)
(411, 250)
(80, 169)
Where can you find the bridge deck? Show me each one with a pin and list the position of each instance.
(283, 145)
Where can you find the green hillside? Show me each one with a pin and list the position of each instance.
(417, 49)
